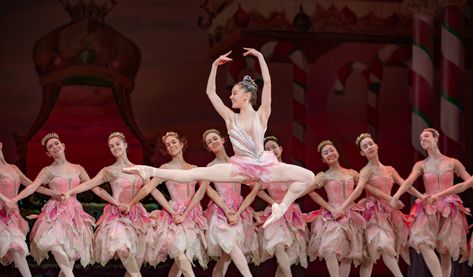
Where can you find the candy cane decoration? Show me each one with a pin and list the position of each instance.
(387, 55)
(452, 80)
(422, 76)
(345, 71)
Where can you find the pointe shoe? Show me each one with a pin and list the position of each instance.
(140, 170)
(277, 211)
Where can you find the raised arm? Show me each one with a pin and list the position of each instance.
(218, 104)
(265, 108)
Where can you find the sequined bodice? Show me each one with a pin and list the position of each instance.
(339, 190)
(434, 182)
(228, 190)
(181, 192)
(247, 144)
(124, 188)
(9, 184)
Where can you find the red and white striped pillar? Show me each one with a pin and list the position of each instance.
(452, 78)
(422, 71)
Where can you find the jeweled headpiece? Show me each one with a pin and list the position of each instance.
(361, 137)
(433, 131)
(116, 134)
(323, 143)
(249, 84)
(48, 137)
(273, 138)
(174, 134)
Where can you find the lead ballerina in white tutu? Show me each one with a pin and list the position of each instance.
(246, 131)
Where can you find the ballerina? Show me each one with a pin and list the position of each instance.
(287, 237)
(440, 226)
(386, 230)
(337, 240)
(13, 228)
(180, 232)
(232, 233)
(62, 227)
(119, 234)
(246, 131)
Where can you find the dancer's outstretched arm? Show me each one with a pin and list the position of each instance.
(364, 177)
(216, 198)
(88, 185)
(415, 173)
(456, 189)
(145, 190)
(398, 180)
(100, 192)
(41, 189)
(320, 201)
(158, 196)
(4, 198)
(265, 108)
(218, 104)
(32, 187)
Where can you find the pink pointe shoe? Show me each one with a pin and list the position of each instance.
(277, 211)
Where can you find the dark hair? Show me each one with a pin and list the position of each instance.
(250, 86)
(271, 138)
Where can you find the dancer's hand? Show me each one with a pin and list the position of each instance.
(178, 218)
(223, 59)
(251, 52)
(10, 206)
(64, 196)
(394, 202)
(233, 219)
(229, 212)
(338, 212)
(142, 170)
(124, 208)
(431, 199)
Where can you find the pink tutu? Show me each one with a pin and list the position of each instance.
(66, 225)
(223, 236)
(13, 230)
(116, 231)
(442, 226)
(291, 231)
(386, 229)
(343, 237)
(254, 169)
(168, 238)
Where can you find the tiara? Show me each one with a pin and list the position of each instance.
(174, 134)
(434, 131)
(273, 138)
(117, 134)
(48, 137)
(323, 143)
(249, 83)
(361, 137)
